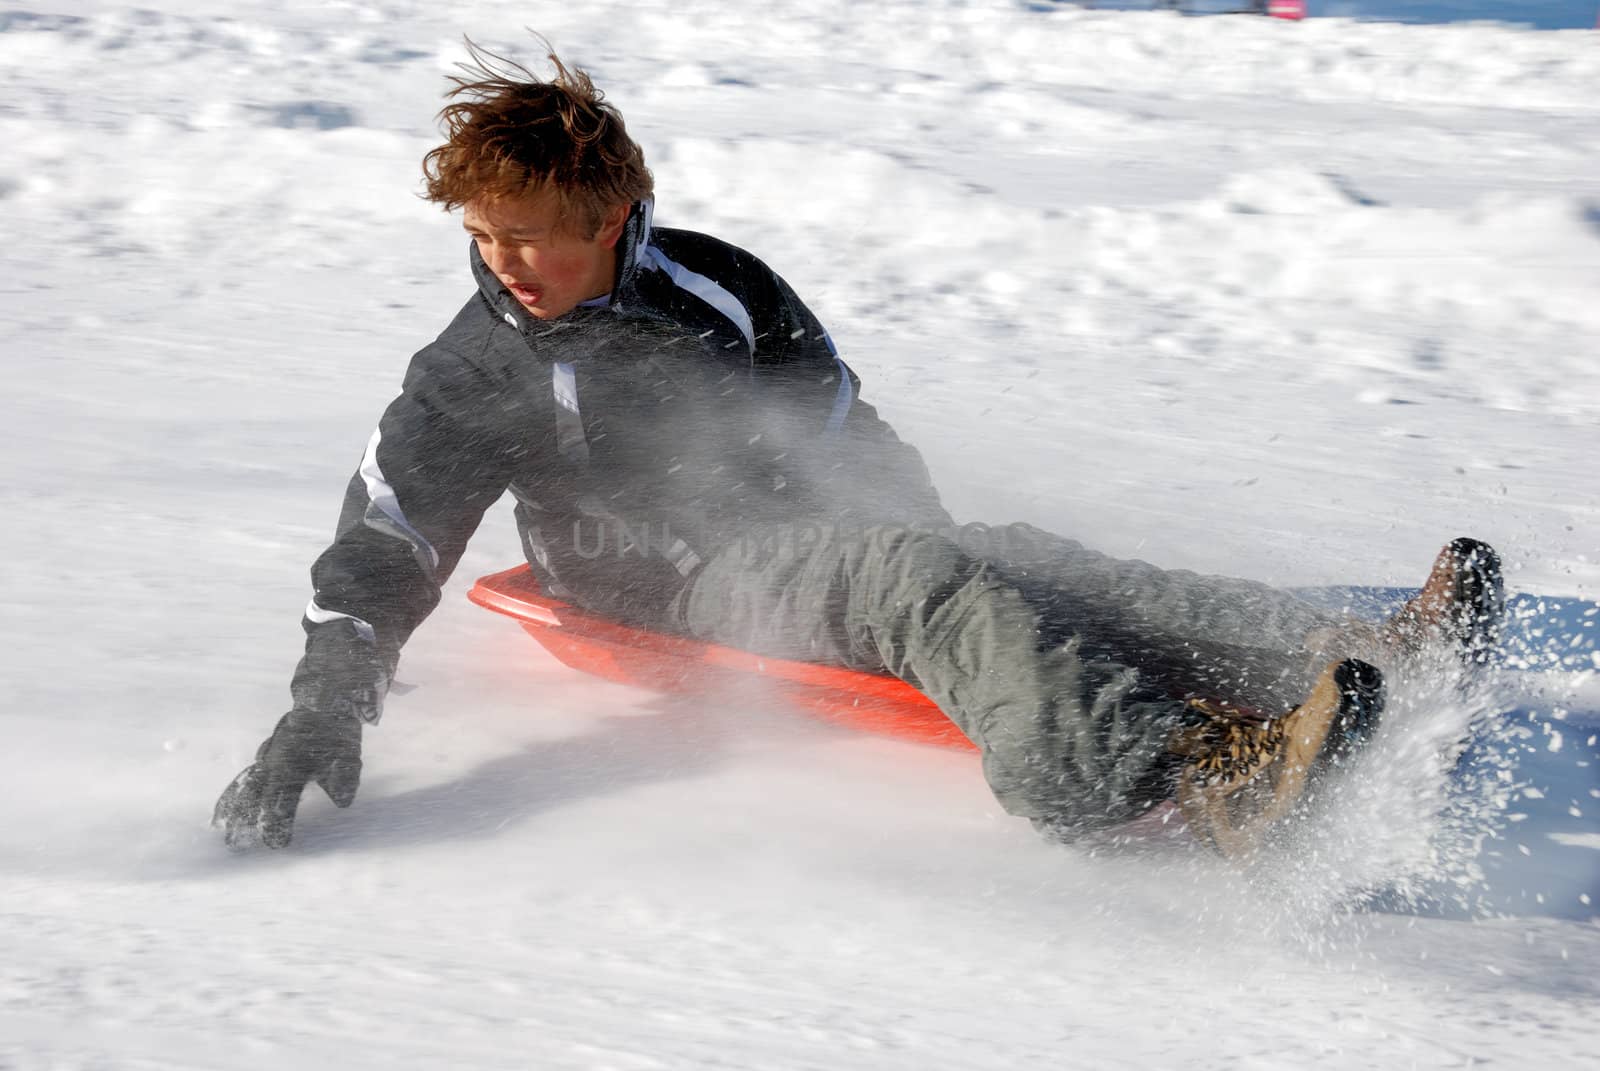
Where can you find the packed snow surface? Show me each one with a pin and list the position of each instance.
(1295, 302)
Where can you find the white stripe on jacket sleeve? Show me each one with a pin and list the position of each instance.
(387, 505)
(318, 616)
(707, 290)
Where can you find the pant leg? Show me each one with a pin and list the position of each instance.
(1070, 736)
(1220, 637)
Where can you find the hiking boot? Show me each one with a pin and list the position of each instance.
(1460, 609)
(1462, 605)
(1244, 773)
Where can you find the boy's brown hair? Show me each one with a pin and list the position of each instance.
(510, 133)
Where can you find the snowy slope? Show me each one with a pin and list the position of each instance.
(1296, 302)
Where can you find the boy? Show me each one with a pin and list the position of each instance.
(668, 392)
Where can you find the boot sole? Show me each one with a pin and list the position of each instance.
(1480, 599)
(1320, 746)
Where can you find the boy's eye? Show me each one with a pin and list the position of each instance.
(508, 239)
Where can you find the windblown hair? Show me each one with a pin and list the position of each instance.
(510, 133)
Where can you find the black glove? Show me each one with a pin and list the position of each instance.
(339, 685)
(259, 806)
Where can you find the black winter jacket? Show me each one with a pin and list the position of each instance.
(702, 403)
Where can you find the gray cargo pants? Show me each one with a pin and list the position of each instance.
(1067, 668)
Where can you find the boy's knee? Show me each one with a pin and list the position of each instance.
(915, 564)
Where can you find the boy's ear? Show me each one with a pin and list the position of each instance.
(611, 225)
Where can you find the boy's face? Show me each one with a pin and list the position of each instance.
(548, 268)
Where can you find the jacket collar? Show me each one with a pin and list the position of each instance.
(630, 250)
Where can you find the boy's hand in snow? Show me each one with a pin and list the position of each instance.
(259, 806)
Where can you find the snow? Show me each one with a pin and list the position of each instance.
(1296, 302)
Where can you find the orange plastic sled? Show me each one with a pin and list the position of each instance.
(584, 641)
